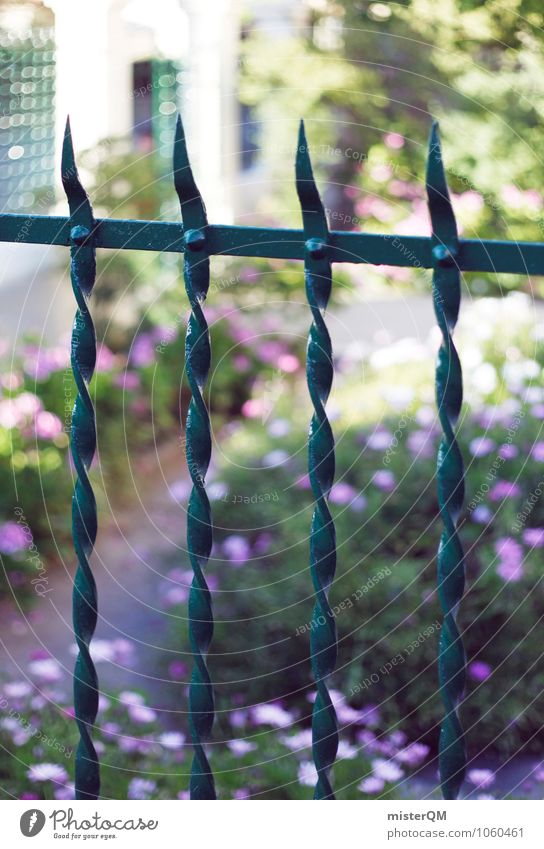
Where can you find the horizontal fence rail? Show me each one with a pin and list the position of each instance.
(279, 243)
(442, 251)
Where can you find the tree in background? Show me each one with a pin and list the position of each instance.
(369, 77)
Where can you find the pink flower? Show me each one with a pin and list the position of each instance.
(47, 425)
(342, 493)
(481, 777)
(384, 480)
(479, 670)
(253, 408)
(394, 141)
(13, 538)
(533, 537)
(127, 380)
(288, 363)
(510, 554)
(504, 489)
(481, 446)
(508, 451)
(105, 359)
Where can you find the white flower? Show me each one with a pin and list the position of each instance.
(241, 747)
(386, 770)
(47, 772)
(172, 740)
(307, 774)
(17, 689)
(48, 670)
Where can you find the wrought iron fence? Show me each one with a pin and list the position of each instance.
(318, 248)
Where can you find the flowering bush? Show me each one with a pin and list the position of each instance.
(263, 751)
(140, 398)
(384, 504)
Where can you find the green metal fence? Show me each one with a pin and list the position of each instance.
(318, 248)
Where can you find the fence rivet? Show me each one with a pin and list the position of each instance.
(195, 240)
(316, 248)
(444, 255)
(79, 234)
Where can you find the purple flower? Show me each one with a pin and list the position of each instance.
(241, 793)
(479, 670)
(13, 538)
(537, 452)
(510, 554)
(142, 352)
(177, 670)
(141, 714)
(481, 777)
(481, 514)
(384, 480)
(379, 440)
(538, 411)
(533, 537)
(508, 451)
(237, 549)
(342, 493)
(371, 785)
(141, 788)
(128, 380)
(413, 754)
(504, 489)
(420, 443)
(65, 793)
(481, 446)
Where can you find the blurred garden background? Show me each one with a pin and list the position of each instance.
(368, 78)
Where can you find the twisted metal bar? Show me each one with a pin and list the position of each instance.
(83, 446)
(198, 453)
(319, 372)
(450, 472)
